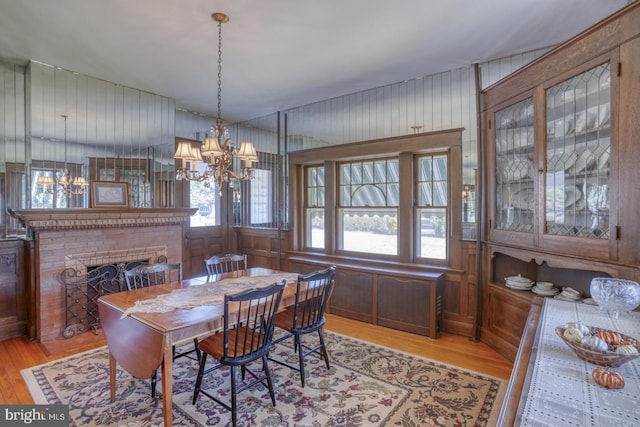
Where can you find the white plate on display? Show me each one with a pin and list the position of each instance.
(519, 287)
(545, 292)
(571, 195)
(559, 161)
(523, 199)
(515, 169)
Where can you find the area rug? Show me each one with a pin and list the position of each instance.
(367, 385)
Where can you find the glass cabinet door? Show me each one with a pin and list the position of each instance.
(514, 167)
(578, 145)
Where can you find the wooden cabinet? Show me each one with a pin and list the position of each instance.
(551, 156)
(13, 290)
(561, 177)
(506, 316)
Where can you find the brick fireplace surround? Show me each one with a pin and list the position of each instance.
(80, 238)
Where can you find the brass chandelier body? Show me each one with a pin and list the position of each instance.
(216, 150)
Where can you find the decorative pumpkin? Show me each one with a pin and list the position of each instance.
(573, 335)
(607, 378)
(610, 337)
(627, 349)
(595, 343)
(584, 329)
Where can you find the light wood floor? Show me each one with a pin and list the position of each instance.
(20, 353)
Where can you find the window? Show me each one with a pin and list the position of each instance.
(256, 203)
(262, 197)
(314, 207)
(431, 206)
(206, 199)
(368, 207)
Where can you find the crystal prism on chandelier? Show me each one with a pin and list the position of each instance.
(216, 150)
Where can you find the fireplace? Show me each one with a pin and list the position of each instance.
(88, 276)
(85, 238)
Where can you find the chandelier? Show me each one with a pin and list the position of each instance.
(216, 151)
(67, 184)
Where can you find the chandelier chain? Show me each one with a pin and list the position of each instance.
(219, 118)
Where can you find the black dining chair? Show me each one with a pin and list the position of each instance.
(247, 336)
(145, 275)
(307, 316)
(225, 264)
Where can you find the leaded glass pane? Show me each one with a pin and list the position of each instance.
(425, 193)
(370, 183)
(440, 193)
(424, 169)
(578, 147)
(315, 186)
(367, 173)
(432, 182)
(393, 193)
(514, 167)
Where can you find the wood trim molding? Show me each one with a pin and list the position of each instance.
(76, 219)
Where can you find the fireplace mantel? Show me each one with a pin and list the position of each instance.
(77, 219)
(78, 238)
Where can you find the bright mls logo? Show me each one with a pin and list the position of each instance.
(34, 415)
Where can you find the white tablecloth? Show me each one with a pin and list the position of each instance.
(560, 391)
(211, 293)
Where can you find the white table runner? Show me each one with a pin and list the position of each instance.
(560, 391)
(211, 293)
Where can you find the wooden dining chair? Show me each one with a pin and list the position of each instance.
(145, 275)
(225, 264)
(307, 316)
(247, 336)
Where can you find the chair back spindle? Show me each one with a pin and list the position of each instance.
(225, 264)
(146, 275)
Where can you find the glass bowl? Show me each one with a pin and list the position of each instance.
(615, 295)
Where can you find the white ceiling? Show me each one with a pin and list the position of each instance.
(280, 54)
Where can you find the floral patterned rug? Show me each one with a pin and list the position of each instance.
(367, 385)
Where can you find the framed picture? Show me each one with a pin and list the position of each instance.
(109, 194)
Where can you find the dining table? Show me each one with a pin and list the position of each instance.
(141, 326)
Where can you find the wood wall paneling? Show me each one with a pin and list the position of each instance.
(14, 314)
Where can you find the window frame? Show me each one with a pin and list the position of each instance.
(405, 148)
(308, 206)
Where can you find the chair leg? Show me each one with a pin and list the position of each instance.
(234, 408)
(203, 361)
(154, 382)
(198, 353)
(267, 372)
(323, 348)
(300, 358)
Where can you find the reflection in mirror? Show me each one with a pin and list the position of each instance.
(86, 128)
(12, 143)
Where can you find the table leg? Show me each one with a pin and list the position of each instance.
(167, 384)
(112, 376)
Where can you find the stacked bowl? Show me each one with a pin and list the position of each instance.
(519, 283)
(569, 294)
(545, 289)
